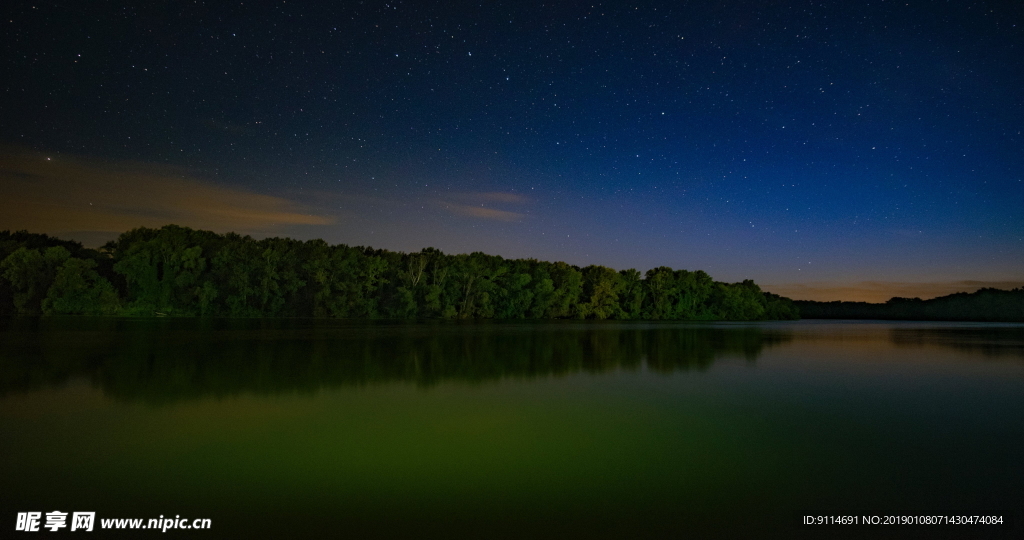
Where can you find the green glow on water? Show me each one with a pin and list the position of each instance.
(818, 420)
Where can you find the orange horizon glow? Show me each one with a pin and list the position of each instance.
(62, 195)
(881, 291)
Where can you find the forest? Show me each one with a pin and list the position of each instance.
(990, 305)
(181, 272)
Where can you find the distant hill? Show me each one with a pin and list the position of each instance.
(989, 305)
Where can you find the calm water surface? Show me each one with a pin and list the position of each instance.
(493, 430)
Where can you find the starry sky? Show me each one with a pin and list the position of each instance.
(827, 150)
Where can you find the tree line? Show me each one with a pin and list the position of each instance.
(987, 304)
(178, 271)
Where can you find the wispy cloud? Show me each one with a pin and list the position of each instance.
(62, 194)
(880, 291)
(478, 205)
(483, 212)
(498, 196)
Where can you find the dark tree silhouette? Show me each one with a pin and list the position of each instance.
(177, 271)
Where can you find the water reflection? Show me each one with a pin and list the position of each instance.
(991, 341)
(159, 361)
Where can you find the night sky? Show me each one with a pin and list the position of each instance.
(827, 150)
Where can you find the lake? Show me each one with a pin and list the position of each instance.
(563, 429)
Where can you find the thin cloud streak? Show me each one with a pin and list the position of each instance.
(65, 194)
(499, 196)
(483, 212)
(473, 205)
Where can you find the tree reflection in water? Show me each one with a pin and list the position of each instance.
(158, 361)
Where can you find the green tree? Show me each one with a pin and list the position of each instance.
(164, 269)
(695, 290)
(346, 282)
(475, 275)
(78, 290)
(543, 289)
(258, 278)
(661, 291)
(568, 286)
(31, 274)
(601, 289)
(631, 294)
(514, 295)
(738, 301)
